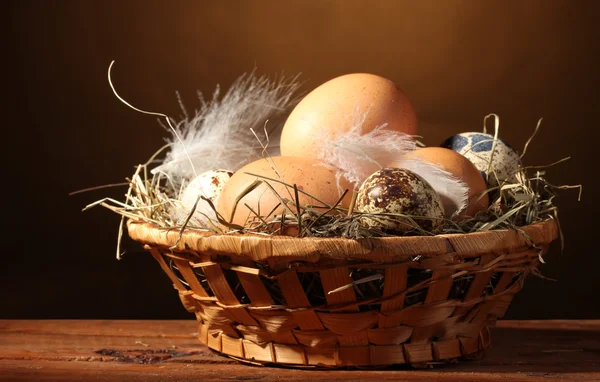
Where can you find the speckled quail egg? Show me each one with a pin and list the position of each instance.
(477, 147)
(208, 184)
(399, 191)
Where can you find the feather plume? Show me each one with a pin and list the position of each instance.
(453, 191)
(218, 136)
(356, 155)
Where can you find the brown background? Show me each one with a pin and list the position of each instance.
(457, 61)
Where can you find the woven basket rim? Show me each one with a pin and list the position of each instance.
(260, 248)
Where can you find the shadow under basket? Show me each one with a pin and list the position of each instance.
(333, 302)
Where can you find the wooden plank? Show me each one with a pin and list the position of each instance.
(45, 350)
(296, 298)
(395, 283)
(252, 284)
(28, 371)
(440, 290)
(188, 274)
(336, 278)
(220, 287)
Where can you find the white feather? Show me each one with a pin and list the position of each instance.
(356, 155)
(218, 135)
(453, 191)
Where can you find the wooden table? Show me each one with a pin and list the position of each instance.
(65, 350)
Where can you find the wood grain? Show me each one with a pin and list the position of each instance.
(95, 350)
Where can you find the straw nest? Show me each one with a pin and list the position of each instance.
(151, 198)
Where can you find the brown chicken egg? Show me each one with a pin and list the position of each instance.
(308, 175)
(399, 191)
(464, 170)
(338, 105)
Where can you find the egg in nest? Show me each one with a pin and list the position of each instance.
(208, 184)
(353, 100)
(400, 191)
(477, 147)
(309, 176)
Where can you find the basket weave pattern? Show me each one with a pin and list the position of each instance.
(252, 302)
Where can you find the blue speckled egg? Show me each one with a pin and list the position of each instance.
(477, 147)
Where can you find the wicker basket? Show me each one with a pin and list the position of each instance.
(250, 296)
